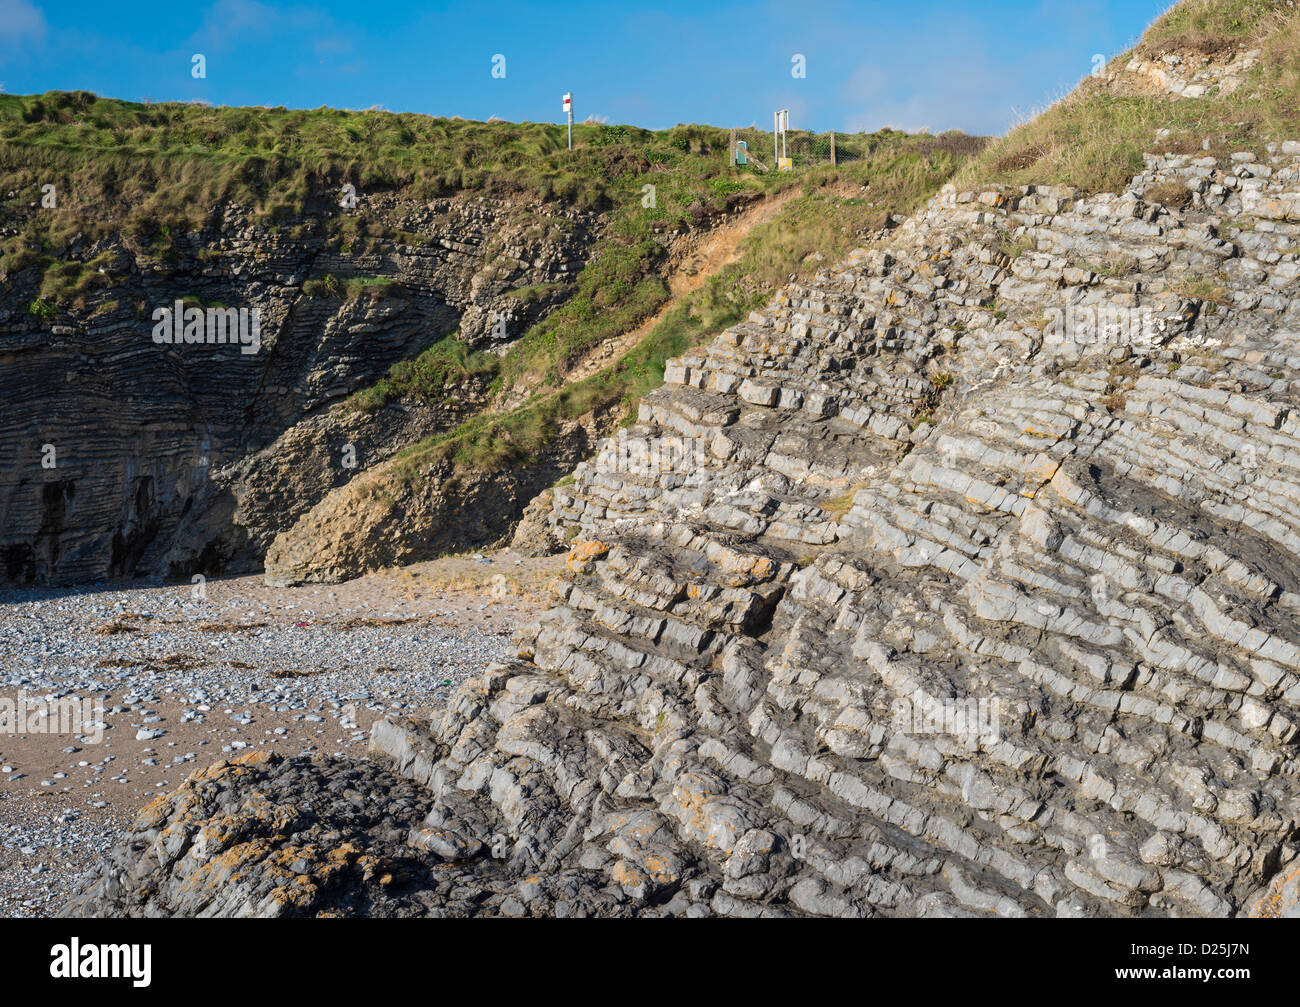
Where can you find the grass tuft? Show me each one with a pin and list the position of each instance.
(1095, 136)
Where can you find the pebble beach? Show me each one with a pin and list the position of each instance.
(169, 679)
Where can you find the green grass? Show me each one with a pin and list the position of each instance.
(619, 290)
(1094, 138)
(270, 155)
(42, 309)
(489, 442)
(157, 173)
(539, 291)
(901, 173)
(172, 163)
(353, 288)
(1116, 265)
(160, 175)
(71, 280)
(1203, 288)
(1209, 26)
(427, 376)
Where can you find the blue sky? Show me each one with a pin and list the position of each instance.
(935, 64)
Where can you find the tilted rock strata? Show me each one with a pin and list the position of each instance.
(394, 517)
(239, 839)
(920, 594)
(436, 507)
(173, 459)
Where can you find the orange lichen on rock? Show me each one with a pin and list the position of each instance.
(628, 874)
(582, 557)
(661, 870)
(179, 803)
(1281, 900)
(300, 895)
(255, 757)
(226, 867)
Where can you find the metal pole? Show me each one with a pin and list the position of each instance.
(776, 132)
(731, 150)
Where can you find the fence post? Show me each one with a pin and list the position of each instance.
(832, 148)
(731, 150)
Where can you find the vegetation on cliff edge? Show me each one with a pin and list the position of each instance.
(1094, 138)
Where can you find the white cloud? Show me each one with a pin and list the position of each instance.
(20, 23)
(228, 23)
(228, 19)
(957, 77)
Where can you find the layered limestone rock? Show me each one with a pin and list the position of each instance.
(433, 505)
(1188, 74)
(128, 457)
(354, 530)
(959, 581)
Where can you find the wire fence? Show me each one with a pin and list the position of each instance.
(805, 150)
(808, 150)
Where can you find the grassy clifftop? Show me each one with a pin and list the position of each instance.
(171, 164)
(151, 173)
(147, 174)
(1094, 137)
(833, 210)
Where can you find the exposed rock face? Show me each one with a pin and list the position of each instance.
(536, 534)
(348, 532)
(172, 459)
(1186, 74)
(924, 592)
(348, 855)
(443, 506)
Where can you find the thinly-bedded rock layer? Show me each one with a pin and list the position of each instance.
(127, 457)
(959, 581)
